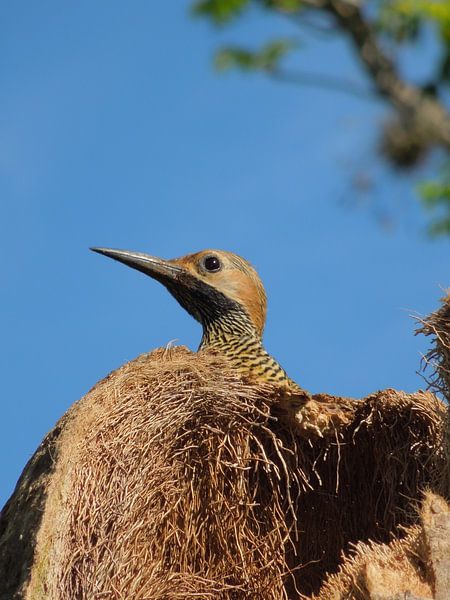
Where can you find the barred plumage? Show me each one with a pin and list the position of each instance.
(225, 294)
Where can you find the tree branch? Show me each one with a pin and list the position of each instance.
(422, 111)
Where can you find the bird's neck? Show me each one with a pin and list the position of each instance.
(242, 346)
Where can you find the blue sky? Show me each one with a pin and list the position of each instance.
(115, 131)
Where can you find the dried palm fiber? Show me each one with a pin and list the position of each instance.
(370, 477)
(417, 563)
(173, 479)
(152, 496)
(437, 325)
(415, 566)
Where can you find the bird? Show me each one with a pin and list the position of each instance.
(225, 294)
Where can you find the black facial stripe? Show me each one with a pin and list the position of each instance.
(204, 302)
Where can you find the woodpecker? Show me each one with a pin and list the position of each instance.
(224, 293)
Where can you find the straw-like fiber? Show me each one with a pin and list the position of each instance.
(163, 490)
(437, 325)
(414, 566)
(174, 479)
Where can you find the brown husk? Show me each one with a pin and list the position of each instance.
(437, 325)
(415, 566)
(174, 478)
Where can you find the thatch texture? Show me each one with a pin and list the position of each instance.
(437, 365)
(153, 495)
(437, 325)
(415, 566)
(20, 518)
(173, 478)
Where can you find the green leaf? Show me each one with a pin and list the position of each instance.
(219, 11)
(289, 6)
(402, 18)
(229, 58)
(436, 198)
(265, 59)
(397, 23)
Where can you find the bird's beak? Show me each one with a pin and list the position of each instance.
(163, 271)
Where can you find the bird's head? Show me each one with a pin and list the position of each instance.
(212, 285)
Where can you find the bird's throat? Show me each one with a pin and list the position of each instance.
(245, 352)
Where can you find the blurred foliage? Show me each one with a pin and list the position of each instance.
(436, 197)
(223, 11)
(398, 22)
(219, 11)
(266, 58)
(284, 5)
(403, 20)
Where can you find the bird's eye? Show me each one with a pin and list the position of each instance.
(212, 263)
